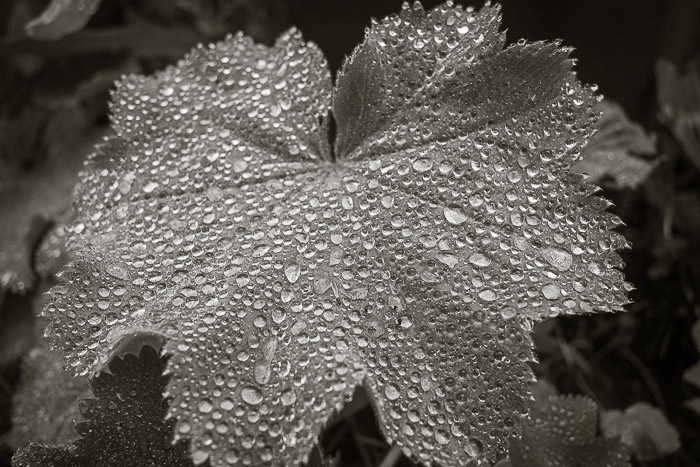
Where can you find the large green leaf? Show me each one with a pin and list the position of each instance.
(415, 259)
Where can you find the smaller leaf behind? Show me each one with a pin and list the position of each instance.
(45, 404)
(561, 432)
(124, 424)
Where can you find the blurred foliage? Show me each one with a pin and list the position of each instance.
(53, 107)
(643, 428)
(560, 431)
(621, 154)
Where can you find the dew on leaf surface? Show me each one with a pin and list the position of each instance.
(414, 263)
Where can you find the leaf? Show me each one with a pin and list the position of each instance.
(123, 425)
(644, 429)
(561, 431)
(414, 260)
(60, 18)
(679, 101)
(45, 404)
(613, 152)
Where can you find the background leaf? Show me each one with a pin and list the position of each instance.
(60, 18)
(561, 431)
(613, 153)
(46, 401)
(679, 101)
(643, 428)
(123, 424)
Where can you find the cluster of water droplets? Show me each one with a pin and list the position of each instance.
(417, 263)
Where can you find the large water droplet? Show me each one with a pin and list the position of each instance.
(560, 259)
(454, 216)
(551, 291)
(117, 270)
(423, 164)
(487, 295)
(292, 272)
(205, 406)
(392, 392)
(322, 282)
(251, 395)
(478, 259)
(288, 397)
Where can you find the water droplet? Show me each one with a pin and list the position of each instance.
(205, 406)
(117, 270)
(214, 193)
(262, 372)
(392, 392)
(487, 295)
(551, 292)
(288, 397)
(322, 282)
(454, 216)
(199, 457)
(508, 312)
(560, 259)
(447, 259)
(478, 259)
(148, 187)
(423, 164)
(292, 272)
(251, 395)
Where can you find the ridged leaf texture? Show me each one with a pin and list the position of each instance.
(413, 258)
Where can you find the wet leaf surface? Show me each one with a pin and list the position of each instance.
(414, 257)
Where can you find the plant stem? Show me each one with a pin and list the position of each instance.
(392, 457)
